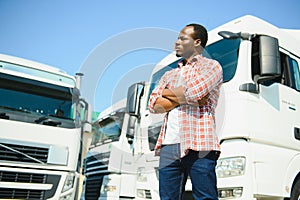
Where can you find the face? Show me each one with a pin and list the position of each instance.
(186, 46)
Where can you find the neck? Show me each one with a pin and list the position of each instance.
(192, 56)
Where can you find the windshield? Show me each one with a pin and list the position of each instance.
(224, 51)
(108, 129)
(31, 101)
(156, 77)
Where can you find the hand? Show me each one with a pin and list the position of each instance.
(175, 94)
(157, 152)
(202, 101)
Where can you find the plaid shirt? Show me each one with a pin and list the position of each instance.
(201, 77)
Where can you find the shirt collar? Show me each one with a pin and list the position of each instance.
(195, 59)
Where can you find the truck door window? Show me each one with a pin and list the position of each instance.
(290, 75)
(295, 71)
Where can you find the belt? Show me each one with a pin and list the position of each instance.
(211, 155)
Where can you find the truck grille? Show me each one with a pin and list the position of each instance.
(20, 177)
(38, 153)
(21, 194)
(92, 187)
(97, 164)
(95, 168)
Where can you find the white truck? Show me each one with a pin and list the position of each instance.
(108, 149)
(258, 115)
(42, 120)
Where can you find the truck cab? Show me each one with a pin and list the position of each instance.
(108, 164)
(42, 120)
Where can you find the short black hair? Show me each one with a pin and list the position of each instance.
(200, 32)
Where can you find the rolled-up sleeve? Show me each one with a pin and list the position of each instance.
(200, 81)
(157, 92)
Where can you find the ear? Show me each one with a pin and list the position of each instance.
(197, 42)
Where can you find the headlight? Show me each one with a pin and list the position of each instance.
(69, 182)
(227, 167)
(110, 188)
(145, 194)
(230, 192)
(156, 172)
(141, 174)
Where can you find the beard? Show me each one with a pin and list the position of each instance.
(178, 54)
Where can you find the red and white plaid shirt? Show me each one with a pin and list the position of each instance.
(201, 77)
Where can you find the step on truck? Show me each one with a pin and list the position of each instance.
(42, 119)
(257, 117)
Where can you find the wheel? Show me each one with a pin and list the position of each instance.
(296, 191)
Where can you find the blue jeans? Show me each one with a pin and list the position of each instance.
(173, 173)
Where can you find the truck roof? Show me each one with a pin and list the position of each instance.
(118, 106)
(254, 25)
(29, 63)
(32, 69)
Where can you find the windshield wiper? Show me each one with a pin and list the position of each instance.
(41, 119)
(23, 154)
(61, 117)
(49, 122)
(4, 116)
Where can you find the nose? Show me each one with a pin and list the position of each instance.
(176, 43)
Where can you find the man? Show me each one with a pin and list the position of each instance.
(188, 144)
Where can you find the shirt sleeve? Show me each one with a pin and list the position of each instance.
(199, 82)
(157, 92)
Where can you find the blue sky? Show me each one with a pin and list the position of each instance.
(111, 41)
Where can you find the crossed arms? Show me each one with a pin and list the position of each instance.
(172, 98)
(194, 92)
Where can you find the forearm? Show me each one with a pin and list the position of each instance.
(171, 98)
(177, 95)
(163, 105)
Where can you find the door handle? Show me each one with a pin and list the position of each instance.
(297, 133)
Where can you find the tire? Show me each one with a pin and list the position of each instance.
(295, 195)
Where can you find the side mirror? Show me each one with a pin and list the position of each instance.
(87, 120)
(269, 63)
(133, 98)
(269, 57)
(131, 128)
(230, 35)
(134, 95)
